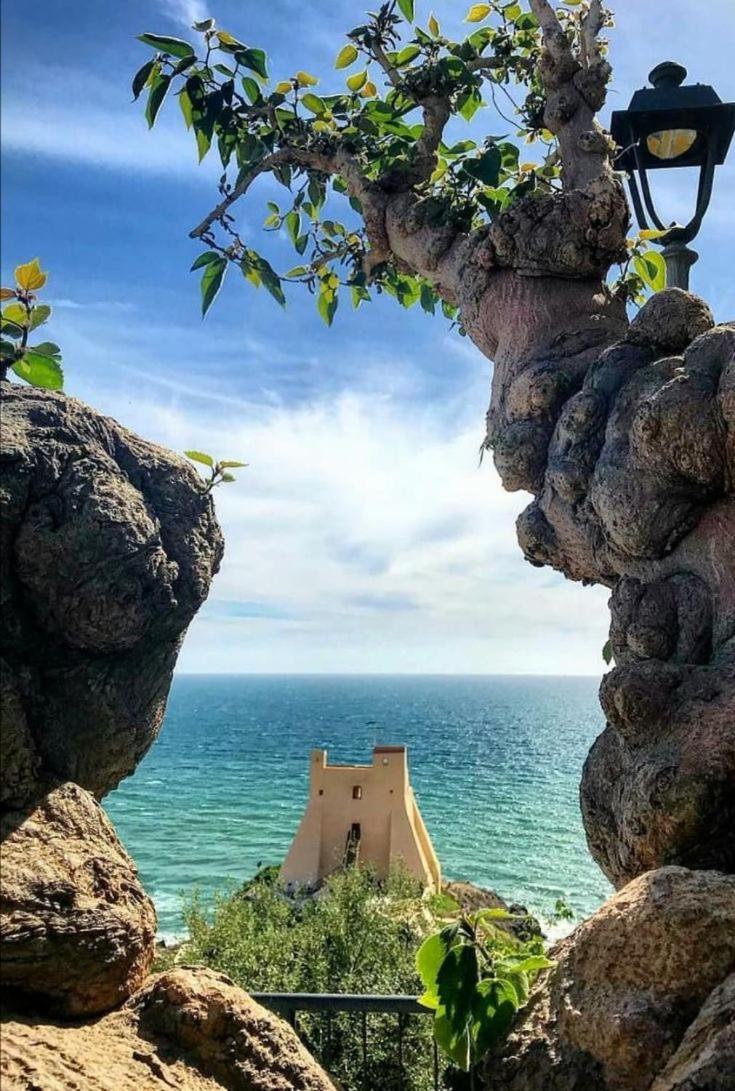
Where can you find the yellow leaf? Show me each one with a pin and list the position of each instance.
(433, 25)
(7, 293)
(306, 79)
(17, 313)
(477, 13)
(346, 56)
(284, 87)
(358, 81)
(226, 37)
(526, 167)
(651, 233)
(369, 90)
(29, 277)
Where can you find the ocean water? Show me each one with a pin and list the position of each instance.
(495, 763)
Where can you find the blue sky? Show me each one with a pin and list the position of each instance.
(363, 536)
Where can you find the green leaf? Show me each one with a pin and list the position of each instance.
(651, 268)
(469, 103)
(255, 60)
(8, 350)
(17, 314)
(327, 303)
(40, 370)
(314, 103)
(251, 89)
(156, 95)
(357, 81)
(407, 9)
(212, 278)
(456, 1046)
(174, 46)
(46, 348)
(408, 54)
(231, 464)
(205, 259)
(456, 981)
(228, 477)
(477, 13)
(186, 107)
(141, 78)
(512, 11)
(429, 958)
(347, 55)
(607, 651)
(200, 456)
(493, 1010)
(293, 225)
(486, 168)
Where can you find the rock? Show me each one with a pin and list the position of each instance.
(629, 449)
(108, 546)
(630, 991)
(77, 931)
(671, 320)
(705, 1059)
(472, 898)
(659, 782)
(189, 1029)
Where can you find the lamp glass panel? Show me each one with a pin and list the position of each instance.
(671, 143)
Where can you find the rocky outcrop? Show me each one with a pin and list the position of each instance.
(187, 1029)
(640, 993)
(705, 1059)
(77, 930)
(108, 545)
(628, 444)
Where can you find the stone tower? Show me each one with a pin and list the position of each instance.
(361, 814)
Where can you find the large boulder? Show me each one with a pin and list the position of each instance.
(77, 930)
(632, 990)
(628, 443)
(188, 1029)
(108, 546)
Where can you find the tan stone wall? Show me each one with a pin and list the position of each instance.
(379, 799)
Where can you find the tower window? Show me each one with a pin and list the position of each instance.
(357, 792)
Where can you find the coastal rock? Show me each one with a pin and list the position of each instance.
(109, 544)
(705, 1059)
(632, 990)
(629, 448)
(472, 898)
(77, 931)
(189, 1029)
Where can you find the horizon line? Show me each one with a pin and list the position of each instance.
(376, 674)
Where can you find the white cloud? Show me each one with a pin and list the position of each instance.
(83, 118)
(363, 537)
(185, 12)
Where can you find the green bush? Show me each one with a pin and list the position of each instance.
(357, 935)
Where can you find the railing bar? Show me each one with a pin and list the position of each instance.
(436, 1064)
(329, 1034)
(400, 1043)
(363, 1021)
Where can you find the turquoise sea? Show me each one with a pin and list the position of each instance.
(495, 763)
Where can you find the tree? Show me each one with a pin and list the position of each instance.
(622, 431)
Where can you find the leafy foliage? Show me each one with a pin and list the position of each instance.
(645, 269)
(476, 976)
(392, 67)
(38, 364)
(219, 472)
(359, 935)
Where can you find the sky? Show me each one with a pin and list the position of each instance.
(363, 536)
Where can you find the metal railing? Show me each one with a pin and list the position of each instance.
(330, 1005)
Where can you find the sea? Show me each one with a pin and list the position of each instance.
(495, 762)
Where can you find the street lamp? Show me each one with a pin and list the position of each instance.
(669, 125)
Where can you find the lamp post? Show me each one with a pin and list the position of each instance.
(669, 125)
